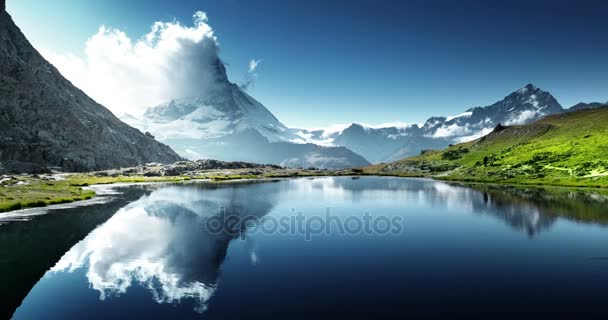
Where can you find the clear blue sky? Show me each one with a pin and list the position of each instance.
(330, 62)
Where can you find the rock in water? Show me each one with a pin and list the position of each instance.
(46, 120)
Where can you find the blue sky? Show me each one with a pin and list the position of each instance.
(326, 62)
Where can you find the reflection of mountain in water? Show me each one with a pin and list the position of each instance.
(525, 217)
(28, 249)
(529, 210)
(588, 206)
(160, 242)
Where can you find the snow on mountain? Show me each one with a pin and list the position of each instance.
(387, 143)
(223, 110)
(208, 127)
(226, 123)
(523, 106)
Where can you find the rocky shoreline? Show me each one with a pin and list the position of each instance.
(190, 168)
(20, 190)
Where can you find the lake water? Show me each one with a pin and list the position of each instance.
(344, 247)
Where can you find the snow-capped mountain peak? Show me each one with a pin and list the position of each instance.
(222, 110)
(523, 105)
(226, 123)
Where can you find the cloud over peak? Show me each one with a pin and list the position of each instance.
(171, 61)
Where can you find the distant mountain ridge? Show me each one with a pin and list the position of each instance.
(218, 119)
(46, 121)
(583, 105)
(568, 149)
(522, 106)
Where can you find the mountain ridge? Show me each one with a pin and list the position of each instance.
(224, 122)
(47, 121)
(568, 149)
(386, 144)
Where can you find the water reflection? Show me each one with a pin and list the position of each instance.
(530, 210)
(533, 209)
(159, 242)
(29, 248)
(518, 211)
(524, 216)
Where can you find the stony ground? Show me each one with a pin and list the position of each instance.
(18, 191)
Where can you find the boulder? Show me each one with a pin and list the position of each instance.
(170, 172)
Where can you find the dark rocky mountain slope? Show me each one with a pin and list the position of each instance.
(47, 121)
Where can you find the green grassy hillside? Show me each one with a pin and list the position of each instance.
(567, 149)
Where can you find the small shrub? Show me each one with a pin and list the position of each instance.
(454, 154)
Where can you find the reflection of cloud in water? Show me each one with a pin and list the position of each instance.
(160, 243)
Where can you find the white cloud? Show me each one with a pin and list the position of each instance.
(253, 64)
(252, 75)
(394, 124)
(450, 131)
(522, 118)
(339, 127)
(462, 115)
(475, 136)
(329, 133)
(126, 75)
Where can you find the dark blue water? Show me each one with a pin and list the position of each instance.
(430, 249)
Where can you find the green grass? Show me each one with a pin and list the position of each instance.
(230, 177)
(87, 180)
(39, 193)
(564, 150)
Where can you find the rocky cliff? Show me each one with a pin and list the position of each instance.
(47, 121)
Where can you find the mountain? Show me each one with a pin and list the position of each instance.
(223, 110)
(563, 149)
(46, 121)
(228, 124)
(582, 105)
(385, 144)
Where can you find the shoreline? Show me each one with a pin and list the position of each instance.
(72, 188)
(102, 191)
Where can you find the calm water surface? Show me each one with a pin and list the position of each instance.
(153, 253)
